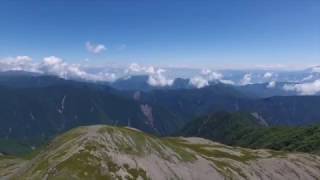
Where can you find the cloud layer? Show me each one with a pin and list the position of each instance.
(53, 65)
(305, 83)
(206, 76)
(310, 88)
(156, 75)
(199, 82)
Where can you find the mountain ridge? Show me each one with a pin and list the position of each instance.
(106, 152)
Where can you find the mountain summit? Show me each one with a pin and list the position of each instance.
(105, 152)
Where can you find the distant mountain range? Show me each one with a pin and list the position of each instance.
(39, 139)
(38, 107)
(42, 106)
(276, 110)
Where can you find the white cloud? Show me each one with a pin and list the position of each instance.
(56, 66)
(207, 75)
(199, 82)
(53, 65)
(158, 79)
(19, 63)
(214, 76)
(224, 81)
(135, 68)
(310, 88)
(246, 79)
(307, 78)
(205, 71)
(211, 75)
(52, 60)
(271, 84)
(268, 75)
(315, 69)
(23, 58)
(95, 48)
(156, 75)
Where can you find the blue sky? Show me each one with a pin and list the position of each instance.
(168, 33)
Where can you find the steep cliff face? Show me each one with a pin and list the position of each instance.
(105, 152)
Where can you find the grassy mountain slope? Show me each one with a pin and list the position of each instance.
(245, 130)
(104, 152)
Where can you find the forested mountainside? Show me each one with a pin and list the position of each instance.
(42, 112)
(34, 108)
(248, 130)
(278, 110)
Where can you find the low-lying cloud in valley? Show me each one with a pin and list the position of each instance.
(309, 88)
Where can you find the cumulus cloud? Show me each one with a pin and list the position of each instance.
(135, 68)
(95, 48)
(211, 75)
(268, 75)
(199, 82)
(247, 79)
(307, 78)
(56, 66)
(23, 58)
(156, 75)
(158, 79)
(53, 65)
(207, 75)
(19, 63)
(271, 84)
(310, 88)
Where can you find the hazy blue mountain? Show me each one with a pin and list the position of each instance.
(39, 112)
(140, 83)
(278, 110)
(35, 106)
(285, 110)
(263, 90)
